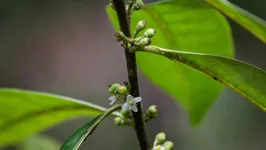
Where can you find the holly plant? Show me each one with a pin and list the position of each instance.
(184, 47)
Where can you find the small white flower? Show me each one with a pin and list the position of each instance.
(112, 99)
(115, 98)
(131, 103)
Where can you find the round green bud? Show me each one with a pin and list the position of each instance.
(139, 4)
(113, 88)
(118, 121)
(119, 35)
(168, 145)
(141, 25)
(152, 110)
(122, 90)
(149, 33)
(125, 112)
(145, 42)
(160, 137)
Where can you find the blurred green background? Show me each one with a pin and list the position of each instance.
(67, 47)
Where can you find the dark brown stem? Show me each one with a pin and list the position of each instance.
(132, 74)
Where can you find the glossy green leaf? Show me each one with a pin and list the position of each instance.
(25, 112)
(191, 26)
(74, 142)
(252, 23)
(39, 142)
(247, 80)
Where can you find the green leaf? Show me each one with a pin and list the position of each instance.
(247, 80)
(74, 142)
(39, 142)
(24, 112)
(252, 23)
(188, 25)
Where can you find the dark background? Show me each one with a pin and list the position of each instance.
(67, 47)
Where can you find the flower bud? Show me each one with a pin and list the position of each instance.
(119, 35)
(149, 33)
(152, 110)
(160, 137)
(118, 121)
(113, 88)
(122, 90)
(168, 145)
(125, 112)
(151, 113)
(141, 25)
(139, 4)
(145, 42)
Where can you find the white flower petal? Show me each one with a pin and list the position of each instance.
(134, 108)
(125, 106)
(112, 102)
(137, 99)
(112, 98)
(129, 97)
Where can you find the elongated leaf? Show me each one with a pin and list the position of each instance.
(247, 80)
(74, 142)
(252, 23)
(39, 142)
(191, 26)
(25, 112)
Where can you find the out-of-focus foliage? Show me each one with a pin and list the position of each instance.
(252, 23)
(39, 142)
(25, 112)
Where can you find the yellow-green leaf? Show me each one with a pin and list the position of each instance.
(247, 80)
(252, 23)
(24, 112)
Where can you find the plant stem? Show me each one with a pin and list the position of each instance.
(132, 75)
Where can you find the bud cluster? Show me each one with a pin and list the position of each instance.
(139, 42)
(126, 120)
(118, 91)
(143, 40)
(160, 142)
